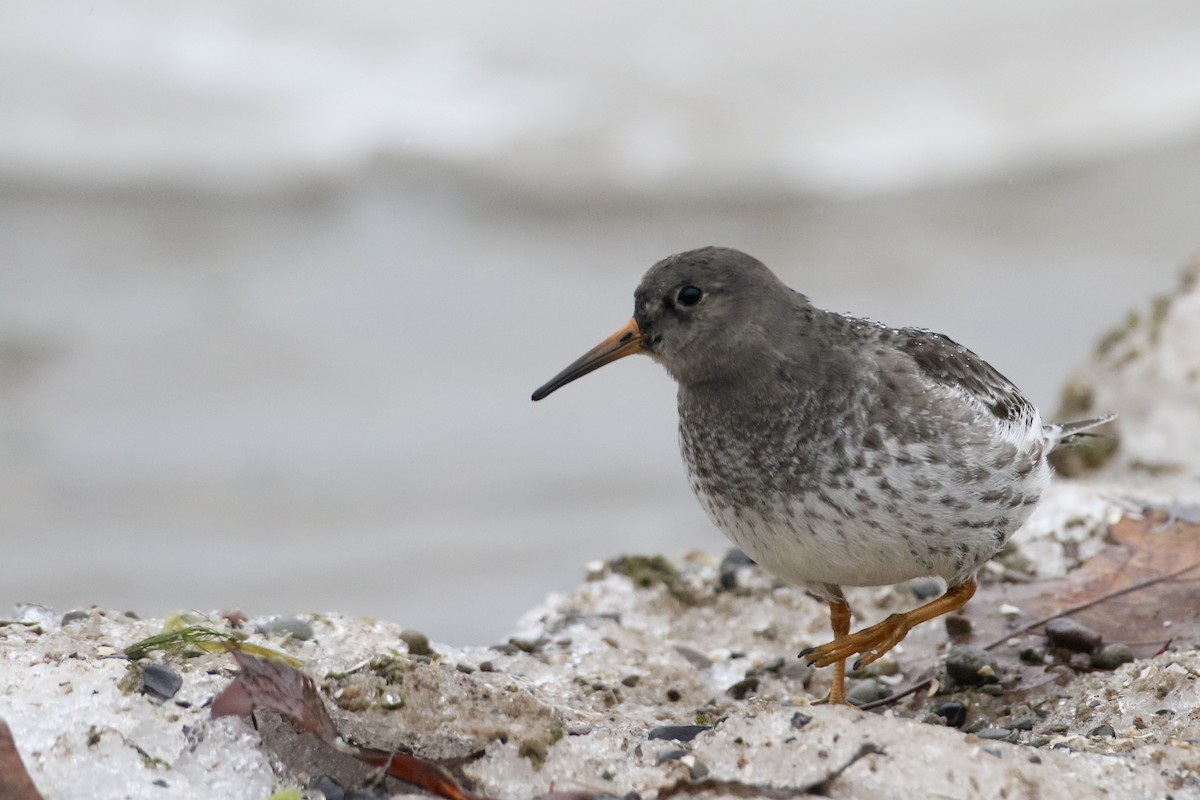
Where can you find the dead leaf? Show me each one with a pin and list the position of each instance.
(1147, 577)
(276, 686)
(15, 783)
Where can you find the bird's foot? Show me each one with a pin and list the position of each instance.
(870, 642)
(876, 640)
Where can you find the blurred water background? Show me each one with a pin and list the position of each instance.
(277, 278)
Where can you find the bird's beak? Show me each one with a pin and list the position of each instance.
(627, 341)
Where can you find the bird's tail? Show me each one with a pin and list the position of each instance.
(1069, 433)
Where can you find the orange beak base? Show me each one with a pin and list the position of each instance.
(625, 342)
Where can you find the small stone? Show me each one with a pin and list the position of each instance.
(670, 755)
(529, 645)
(1111, 656)
(678, 733)
(971, 666)
(975, 726)
(925, 588)
(295, 627)
(954, 713)
(886, 665)
(331, 789)
(1033, 654)
(958, 627)
(693, 656)
(1079, 661)
(1067, 633)
(742, 688)
(798, 670)
(418, 643)
(1009, 610)
(800, 719)
(487, 666)
(504, 648)
(674, 695)
(466, 669)
(994, 732)
(734, 560)
(160, 682)
(631, 680)
(698, 771)
(1023, 723)
(73, 616)
(867, 691)
(1056, 728)
(1102, 730)
(993, 689)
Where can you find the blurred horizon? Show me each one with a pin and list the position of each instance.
(278, 278)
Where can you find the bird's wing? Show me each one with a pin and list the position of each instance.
(948, 363)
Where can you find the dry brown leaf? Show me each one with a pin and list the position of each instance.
(1141, 590)
(1147, 577)
(276, 686)
(15, 783)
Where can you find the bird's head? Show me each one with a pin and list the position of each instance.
(703, 314)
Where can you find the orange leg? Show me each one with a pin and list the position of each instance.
(876, 640)
(839, 620)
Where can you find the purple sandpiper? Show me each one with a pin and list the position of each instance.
(835, 451)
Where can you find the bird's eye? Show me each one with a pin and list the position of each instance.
(690, 295)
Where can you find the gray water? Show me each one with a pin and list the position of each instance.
(283, 370)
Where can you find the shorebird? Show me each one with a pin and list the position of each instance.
(835, 451)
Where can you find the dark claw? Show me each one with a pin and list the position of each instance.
(805, 652)
(857, 665)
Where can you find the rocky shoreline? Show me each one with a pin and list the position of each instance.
(1075, 672)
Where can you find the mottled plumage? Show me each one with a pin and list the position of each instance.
(835, 451)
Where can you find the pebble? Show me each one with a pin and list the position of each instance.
(1067, 633)
(678, 733)
(329, 788)
(1023, 723)
(958, 627)
(994, 732)
(867, 691)
(73, 616)
(631, 680)
(971, 666)
(669, 755)
(1033, 654)
(742, 688)
(1111, 656)
(800, 719)
(418, 643)
(954, 713)
(797, 670)
(160, 682)
(529, 645)
(993, 689)
(734, 560)
(1102, 730)
(886, 665)
(925, 589)
(295, 627)
(466, 669)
